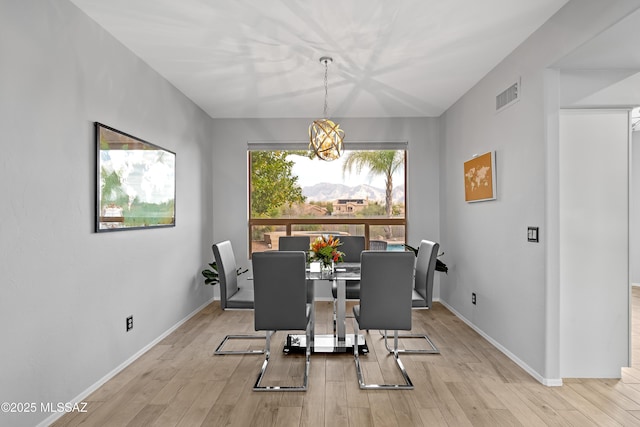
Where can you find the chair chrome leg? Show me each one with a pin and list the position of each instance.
(434, 349)
(335, 316)
(305, 381)
(312, 329)
(408, 385)
(219, 350)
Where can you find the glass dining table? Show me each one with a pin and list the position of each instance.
(339, 341)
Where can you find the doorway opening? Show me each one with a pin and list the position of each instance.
(634, 237)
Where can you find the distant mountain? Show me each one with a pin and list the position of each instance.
(325, 192)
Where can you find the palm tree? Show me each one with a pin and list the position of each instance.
(382, 162)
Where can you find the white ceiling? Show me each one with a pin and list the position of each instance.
(614, 48)
(260, 58)
(605, 71)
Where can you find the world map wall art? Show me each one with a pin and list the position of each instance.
(480, 178)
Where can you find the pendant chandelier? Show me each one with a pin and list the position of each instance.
(325, 136)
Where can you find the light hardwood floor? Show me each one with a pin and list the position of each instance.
(180, 383)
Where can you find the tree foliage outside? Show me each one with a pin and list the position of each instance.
(273, 184)
(372, 209)
(327, 205)
(384, 162)
(112, 191)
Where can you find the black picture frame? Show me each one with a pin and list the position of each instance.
(135, 182)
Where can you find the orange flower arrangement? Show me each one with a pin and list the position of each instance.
(325, 250)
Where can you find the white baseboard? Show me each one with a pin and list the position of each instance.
(53, 417)
(549, 382)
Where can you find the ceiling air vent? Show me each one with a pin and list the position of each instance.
(508, 97)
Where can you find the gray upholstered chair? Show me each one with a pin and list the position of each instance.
(234, 293)
(377, 245)
(425, 270)
(385, 303)
(422, 295)
(297, 243)
(294, 243)
(352, 246)
(281, 304)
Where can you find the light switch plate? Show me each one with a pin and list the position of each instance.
(532, 234)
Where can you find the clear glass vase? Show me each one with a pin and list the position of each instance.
(328, 267)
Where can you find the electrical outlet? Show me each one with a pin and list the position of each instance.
(473, 298)
(129, 323)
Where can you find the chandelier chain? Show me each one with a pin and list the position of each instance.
(326, 90)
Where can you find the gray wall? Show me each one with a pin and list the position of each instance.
(594, 242)
(65, 291)
(517, 282)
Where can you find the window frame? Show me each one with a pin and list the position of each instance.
(289, 223)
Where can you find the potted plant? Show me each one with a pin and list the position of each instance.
(212, 277)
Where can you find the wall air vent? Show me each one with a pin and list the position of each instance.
(508, 97)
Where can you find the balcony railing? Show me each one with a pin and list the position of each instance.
(265, 231)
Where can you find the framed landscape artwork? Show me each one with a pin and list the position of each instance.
(480, 178)
(136, 182)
